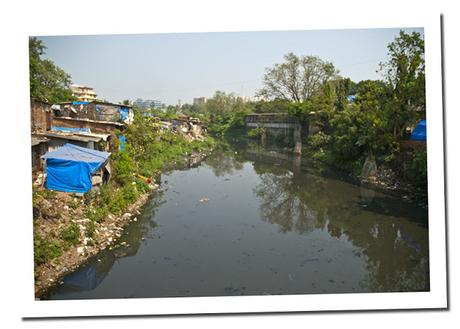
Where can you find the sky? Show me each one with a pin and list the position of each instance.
(173, 67)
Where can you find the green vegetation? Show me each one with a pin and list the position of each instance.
(46, 249)
(71, 235)
(48, 82)
(40, 194)
(376, 122)
(90, 229)
(257, 132)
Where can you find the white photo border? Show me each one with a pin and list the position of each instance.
(436, 298)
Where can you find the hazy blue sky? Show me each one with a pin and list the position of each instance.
(169, 67)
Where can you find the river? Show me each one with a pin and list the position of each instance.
(251, 221)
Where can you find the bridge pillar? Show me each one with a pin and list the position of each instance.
(263, 138)
(297, 139)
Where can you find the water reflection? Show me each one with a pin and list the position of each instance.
(252, 221)
(225, 160)
(392, 234)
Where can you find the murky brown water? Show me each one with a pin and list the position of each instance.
(254, 222)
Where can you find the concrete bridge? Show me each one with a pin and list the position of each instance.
(277, 124)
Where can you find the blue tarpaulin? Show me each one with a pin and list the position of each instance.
(79, 103)
(351, 98)
(70, 167)
(419, 132)
(71, 130)
(124, 113)
(122, 139)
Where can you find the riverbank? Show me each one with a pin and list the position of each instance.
(68, 230)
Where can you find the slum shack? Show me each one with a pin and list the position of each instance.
(95, 111)
(75, 169)
(59, 136)
(191, 128)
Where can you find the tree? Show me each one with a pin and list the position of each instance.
(405, 74)
(297, 79)
(48, 82)
(225, 111)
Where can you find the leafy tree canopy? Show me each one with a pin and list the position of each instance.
(48, 82)
(297, 79)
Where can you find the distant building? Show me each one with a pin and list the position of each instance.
(83, 93)
(148, 103)
(249, 99)
(199, 100)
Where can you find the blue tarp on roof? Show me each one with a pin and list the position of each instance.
(124, 113)
(79, 103)
(71, 130)
(419, 132)
(70, 167)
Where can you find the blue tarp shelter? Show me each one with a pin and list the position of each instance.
(70, 167)
(419, 132)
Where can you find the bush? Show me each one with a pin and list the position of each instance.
(74, 204)
(419, 166)
(117, 204)
(318, 140)
(97, 214)
(45, 249)
(141, 185)
(90, 229)
(256, 132)
(129, 193)
(71, 235)
(123, 167)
